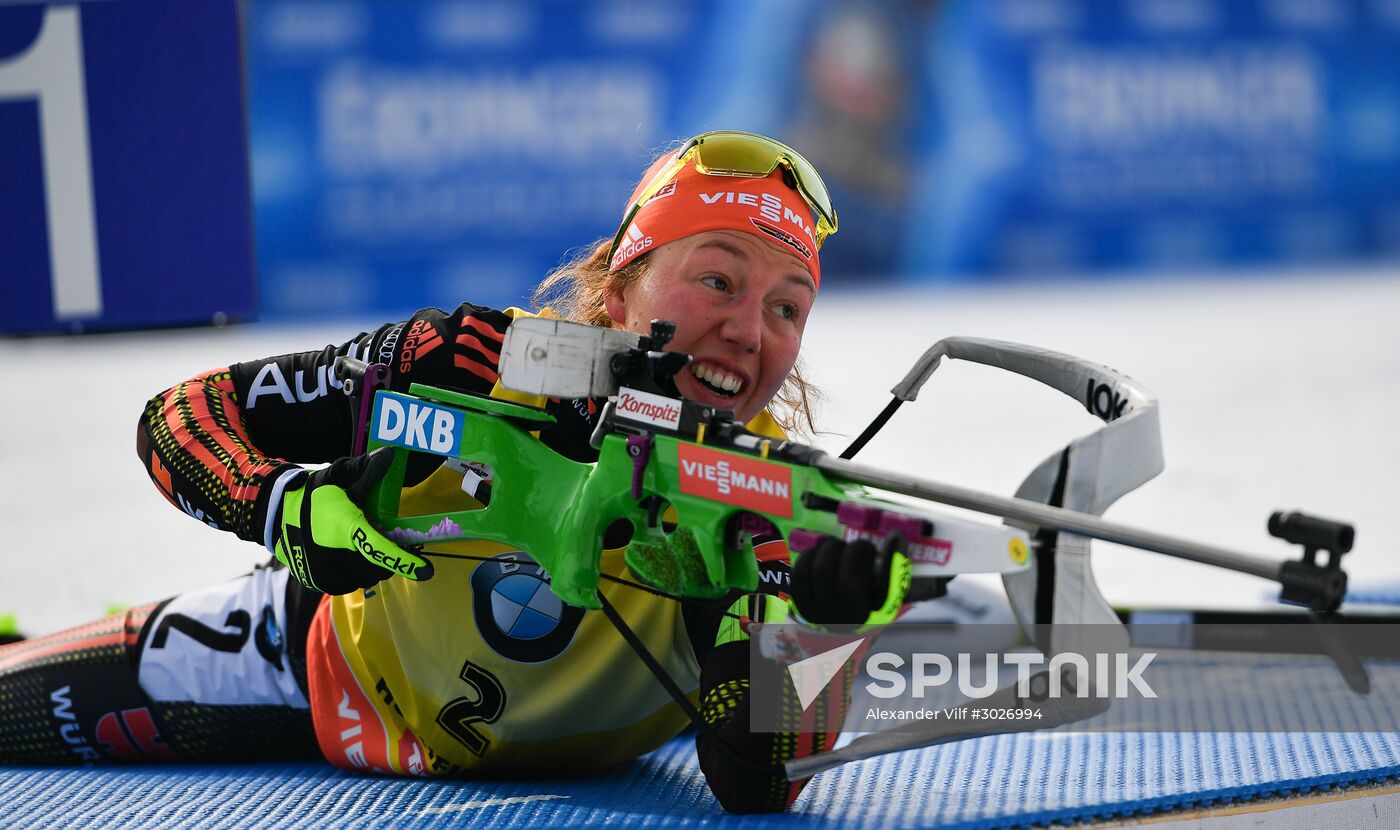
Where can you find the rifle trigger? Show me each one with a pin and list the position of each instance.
(639, 447)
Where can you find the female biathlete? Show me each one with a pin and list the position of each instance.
(454, 666)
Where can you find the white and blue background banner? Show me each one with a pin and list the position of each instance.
(124, 198)
(410, 154)
(1078, 135)
(404, 154)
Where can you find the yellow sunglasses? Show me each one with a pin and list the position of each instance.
(745, 155)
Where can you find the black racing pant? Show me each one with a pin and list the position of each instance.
(77, 696)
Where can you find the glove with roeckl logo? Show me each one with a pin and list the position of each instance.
(324, 537)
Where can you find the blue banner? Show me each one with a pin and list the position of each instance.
(407, 154)
(1081, 135)
(123, 167)
(412, 154)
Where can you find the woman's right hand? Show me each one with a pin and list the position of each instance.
(324, 537)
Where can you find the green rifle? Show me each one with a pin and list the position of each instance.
(694, 486)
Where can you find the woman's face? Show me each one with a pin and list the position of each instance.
(739, 304)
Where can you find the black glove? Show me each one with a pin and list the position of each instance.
(851, 583)
(324, 538)
(742, 786)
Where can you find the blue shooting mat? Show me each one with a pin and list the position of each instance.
(1010, 780)
(999, 781)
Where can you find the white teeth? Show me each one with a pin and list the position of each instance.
(718, 378)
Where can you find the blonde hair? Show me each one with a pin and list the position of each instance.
(576, 291)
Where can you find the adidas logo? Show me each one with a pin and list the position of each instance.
(633, 242)
(422, 338)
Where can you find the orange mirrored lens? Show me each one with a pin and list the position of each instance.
(748, 154)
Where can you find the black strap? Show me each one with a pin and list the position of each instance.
(1046, 546)
(700, 604)
(680, 697)
(875, 426)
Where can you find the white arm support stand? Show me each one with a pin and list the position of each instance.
(1087, 476)
(1059, 588)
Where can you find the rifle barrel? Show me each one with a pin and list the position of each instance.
(1045, 515)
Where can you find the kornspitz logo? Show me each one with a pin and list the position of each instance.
(650, 409)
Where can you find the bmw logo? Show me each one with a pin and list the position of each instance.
(516, 613)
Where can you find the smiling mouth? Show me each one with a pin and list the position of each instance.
(717, 380)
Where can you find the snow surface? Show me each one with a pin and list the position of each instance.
(1276, 392)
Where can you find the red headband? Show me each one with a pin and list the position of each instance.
(694, 202)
